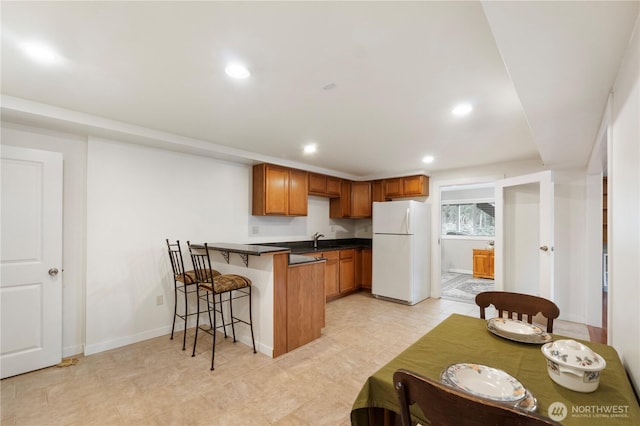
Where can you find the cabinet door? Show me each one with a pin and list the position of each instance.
(366, 268)
(392, 187)
(317, 184)
(377, 191)
(341, 207)
(347, 271)
(415, 185)
(305, 304)
(334, 186)
(483, 263)
(360, 199)
(331, 275)
(298, 193)
(276, 190)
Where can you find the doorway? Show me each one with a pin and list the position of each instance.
(466, 229)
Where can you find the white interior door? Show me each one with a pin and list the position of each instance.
(31, 264)
(524, 234)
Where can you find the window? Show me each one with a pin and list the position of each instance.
(471, 219)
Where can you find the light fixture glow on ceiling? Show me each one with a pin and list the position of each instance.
(428, 159)
(462, 109)
(310, 149)
(238, 71)
(40, 53)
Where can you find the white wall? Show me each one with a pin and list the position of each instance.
(74, 151)
(624, 205)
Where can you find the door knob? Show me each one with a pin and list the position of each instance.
(53, 272)
(544, 248)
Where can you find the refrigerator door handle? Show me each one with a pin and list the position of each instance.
(408, 216)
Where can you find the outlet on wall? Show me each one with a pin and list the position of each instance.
(159, 300)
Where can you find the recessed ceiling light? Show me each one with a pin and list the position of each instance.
(238, 71)
(428, 159)
(40, 53)
(310, 149)
(462, 109)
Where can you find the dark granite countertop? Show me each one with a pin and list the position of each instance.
(250, 249)
(300, 247)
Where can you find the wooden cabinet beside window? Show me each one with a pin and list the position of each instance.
(483, 263)
(279, 191)
(408, 186)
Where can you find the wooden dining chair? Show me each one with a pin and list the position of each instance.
(517, 305)
(444, 405)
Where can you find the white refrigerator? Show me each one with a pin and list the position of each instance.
(401, 251)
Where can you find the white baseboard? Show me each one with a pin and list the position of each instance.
(461, 271)
(162, 331)
(95, 348)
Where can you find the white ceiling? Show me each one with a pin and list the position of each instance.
(537, 73)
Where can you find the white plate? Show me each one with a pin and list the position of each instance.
(486, 382)
(517, 327)
(528, 403)
(518, 331)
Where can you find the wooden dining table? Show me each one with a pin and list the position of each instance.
(464, 339)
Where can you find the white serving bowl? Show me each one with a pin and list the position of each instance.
(573, 365)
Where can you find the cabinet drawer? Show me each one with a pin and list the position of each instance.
(345, 254)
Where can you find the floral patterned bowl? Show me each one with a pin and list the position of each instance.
(573, 365)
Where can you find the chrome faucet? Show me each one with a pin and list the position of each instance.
(316, 237)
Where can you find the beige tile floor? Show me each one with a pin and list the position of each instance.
(155, 382)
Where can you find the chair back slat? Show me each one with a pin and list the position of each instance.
(445, 405)
(517, 305)
(175, 255)
(201, 262)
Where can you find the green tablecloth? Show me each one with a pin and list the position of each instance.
(466, 339)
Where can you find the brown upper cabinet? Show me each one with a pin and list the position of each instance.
(324, 186)
(341, 207)
(279, 191)
(377, 193)
(282, 191)
(354, 202)
(408, 186)
(360, 199)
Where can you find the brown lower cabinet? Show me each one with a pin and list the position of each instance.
(345, 271)
(305, 303)
(483, 263)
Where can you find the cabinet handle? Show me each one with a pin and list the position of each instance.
(544, 248)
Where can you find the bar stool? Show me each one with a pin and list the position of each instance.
(184, 282)
(232, 285)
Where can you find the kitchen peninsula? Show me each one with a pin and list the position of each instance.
(288, 293)
(291, 283)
